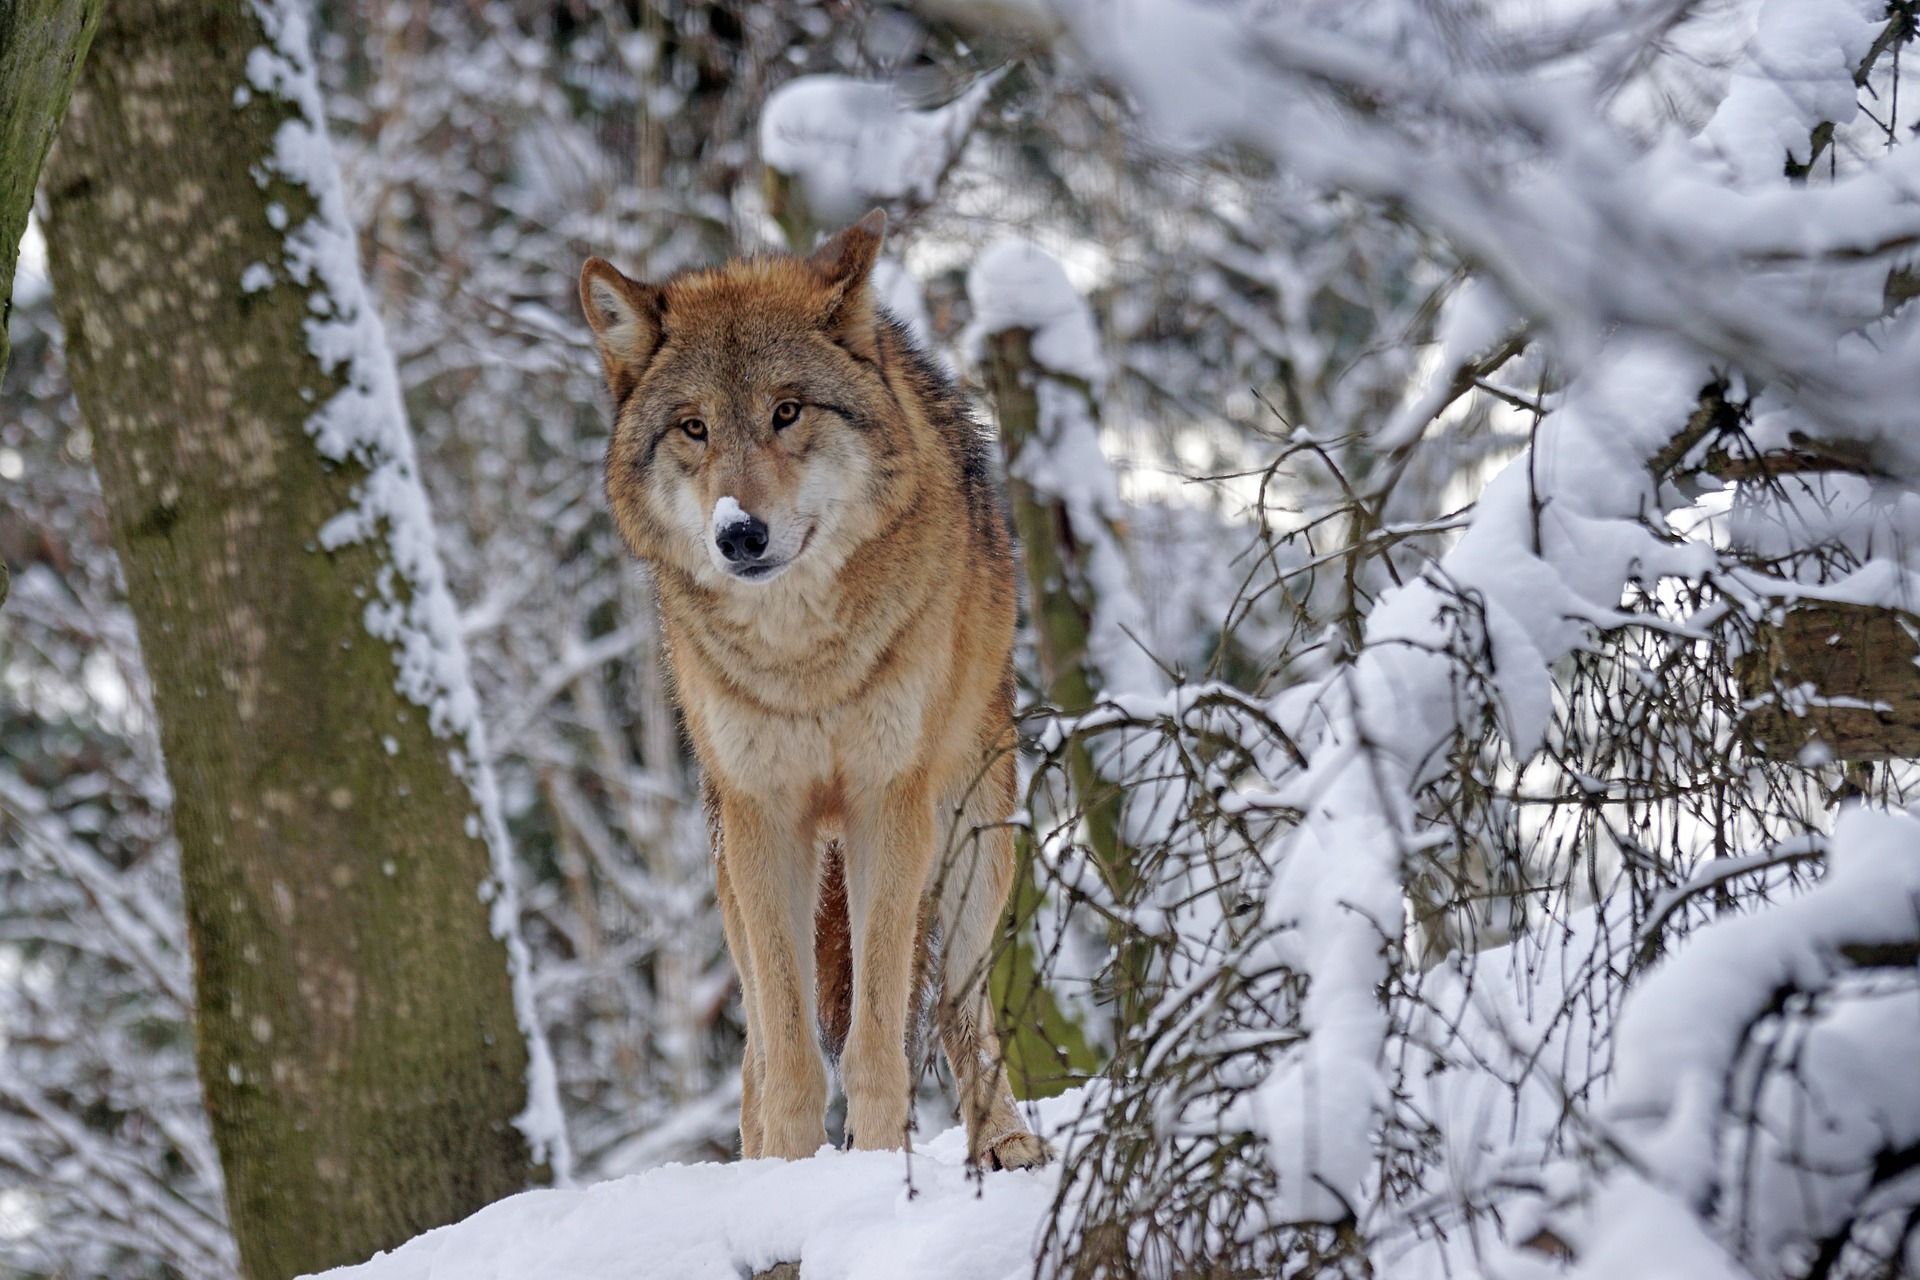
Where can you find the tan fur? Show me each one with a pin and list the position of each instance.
(853, 710)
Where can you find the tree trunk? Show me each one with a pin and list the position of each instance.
(365, 1061)
(1061, 597)
(42, 43)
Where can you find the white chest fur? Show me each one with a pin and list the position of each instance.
(865, 740)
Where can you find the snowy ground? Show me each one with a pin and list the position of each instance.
(874, 1216)
(846, 1215)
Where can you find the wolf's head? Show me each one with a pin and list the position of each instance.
(753, 427)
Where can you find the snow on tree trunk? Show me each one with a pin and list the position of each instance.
(1041, 1033)
(1040, 349)
(365, 1030)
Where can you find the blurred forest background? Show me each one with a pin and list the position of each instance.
(1300, 385)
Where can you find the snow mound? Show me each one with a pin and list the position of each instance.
(844, 1215)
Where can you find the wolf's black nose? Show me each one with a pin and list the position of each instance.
(743, 540)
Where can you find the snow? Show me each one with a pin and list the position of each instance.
(852, 144)
(1678, 1036)
(1015, 284)
(1475, 320)
(899, 295)
(1798, 72)
(844, 1215)
(1713, 1168)
(727, 512)
(1830, 536)
(1377, 729)
(1501, 1040)
(1560, 534)
(364, 422)
(1661, 1240)
(1579, 224)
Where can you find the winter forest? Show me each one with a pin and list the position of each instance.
(1462, 459)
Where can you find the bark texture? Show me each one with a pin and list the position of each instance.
(1061, 595)
(42, 43)
(1049, 1052)
(357, 1037)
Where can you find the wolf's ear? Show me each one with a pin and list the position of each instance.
(626, 318)
(844, 265)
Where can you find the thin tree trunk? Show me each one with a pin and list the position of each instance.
(42, 43)
(359, 1042)
(1061, 598)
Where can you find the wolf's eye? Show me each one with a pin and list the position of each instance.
(786, 413)
(695, 429)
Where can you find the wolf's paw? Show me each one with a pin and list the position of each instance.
(1019, 1151)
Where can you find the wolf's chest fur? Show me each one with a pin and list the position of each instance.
(830, 677)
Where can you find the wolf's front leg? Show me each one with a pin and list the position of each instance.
(770, 870)
(888, 850)
(752, 1065)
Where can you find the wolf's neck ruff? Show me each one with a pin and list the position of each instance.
(836, 582)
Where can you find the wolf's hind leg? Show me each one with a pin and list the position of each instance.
(972, 889)
(997, 1138)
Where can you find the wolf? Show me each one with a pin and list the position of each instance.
(836, 589)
